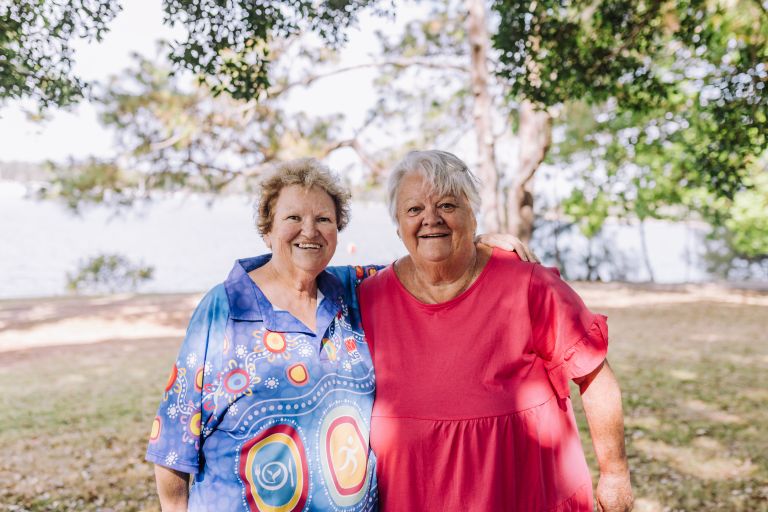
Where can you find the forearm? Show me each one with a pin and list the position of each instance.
(601, 398)
(172, 489)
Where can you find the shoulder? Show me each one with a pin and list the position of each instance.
(546, 277)
(376, 280)
(213, 305)
(352, 275)
(509, 263)
(343, 275)
(215, 296)
(548, 292)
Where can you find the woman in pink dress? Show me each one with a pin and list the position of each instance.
(473, 351)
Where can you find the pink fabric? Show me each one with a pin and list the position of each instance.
(472, 409)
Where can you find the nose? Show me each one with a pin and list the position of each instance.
(309, 227)
(431, 217)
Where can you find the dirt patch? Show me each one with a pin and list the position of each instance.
(38, 323)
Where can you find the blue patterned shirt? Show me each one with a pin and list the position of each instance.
(267, 414)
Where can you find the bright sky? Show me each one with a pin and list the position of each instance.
(77, 133)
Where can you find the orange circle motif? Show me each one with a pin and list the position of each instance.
(274, 342)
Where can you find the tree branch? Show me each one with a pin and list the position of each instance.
(354, 143)
(398, 63)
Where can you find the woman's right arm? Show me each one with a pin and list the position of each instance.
(601, 398)
(172, 489)
(175, 441)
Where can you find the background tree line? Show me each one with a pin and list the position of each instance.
(653, 109)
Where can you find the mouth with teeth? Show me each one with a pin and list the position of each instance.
(434, 235)
(307, 245)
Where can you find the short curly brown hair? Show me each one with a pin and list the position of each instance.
(307, 172)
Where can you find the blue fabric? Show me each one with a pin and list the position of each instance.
(266, 413)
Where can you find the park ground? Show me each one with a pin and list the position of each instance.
(81, 379)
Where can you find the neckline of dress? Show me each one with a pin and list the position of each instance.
(439, 305)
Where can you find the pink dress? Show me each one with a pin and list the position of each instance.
(472, 409)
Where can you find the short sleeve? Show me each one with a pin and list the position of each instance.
(570, 339)
(176, 429)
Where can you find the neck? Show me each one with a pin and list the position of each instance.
(438, 273)
(295, 292)
(435, 282)
(292, 282)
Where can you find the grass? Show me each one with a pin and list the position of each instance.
(75, 425)
(694, 378)
(695, 387)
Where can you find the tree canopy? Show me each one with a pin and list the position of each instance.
(36, 55)
(659, 108)
(695, 70)
(228, 42)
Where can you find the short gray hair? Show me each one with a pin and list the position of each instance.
(445, 173)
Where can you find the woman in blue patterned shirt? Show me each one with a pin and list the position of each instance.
(268, 405)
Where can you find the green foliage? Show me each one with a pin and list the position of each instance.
(35, 53)
(108, 273)
(228, 42)
(737, 246)
(664, 107)
(555, 50)
(697, 148)
(587, 212)
(690, 75)
(748, 220)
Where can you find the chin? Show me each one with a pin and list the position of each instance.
(319, 263)
(433, 257)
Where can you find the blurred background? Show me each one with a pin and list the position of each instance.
(624, 141)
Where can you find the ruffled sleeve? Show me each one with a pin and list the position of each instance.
(571, 340)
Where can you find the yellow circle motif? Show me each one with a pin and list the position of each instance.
(194, 424)
(348, 456)
(155, 432)
(298, 374)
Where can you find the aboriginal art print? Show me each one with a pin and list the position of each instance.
(267, 414)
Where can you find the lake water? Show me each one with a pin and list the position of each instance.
(192, 244)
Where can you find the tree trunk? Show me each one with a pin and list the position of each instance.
(535, 137)
(487, 170)
(644, 249)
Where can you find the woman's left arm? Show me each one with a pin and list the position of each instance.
(601, 397)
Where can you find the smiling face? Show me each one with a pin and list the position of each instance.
(434, 228)
(304, 231)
